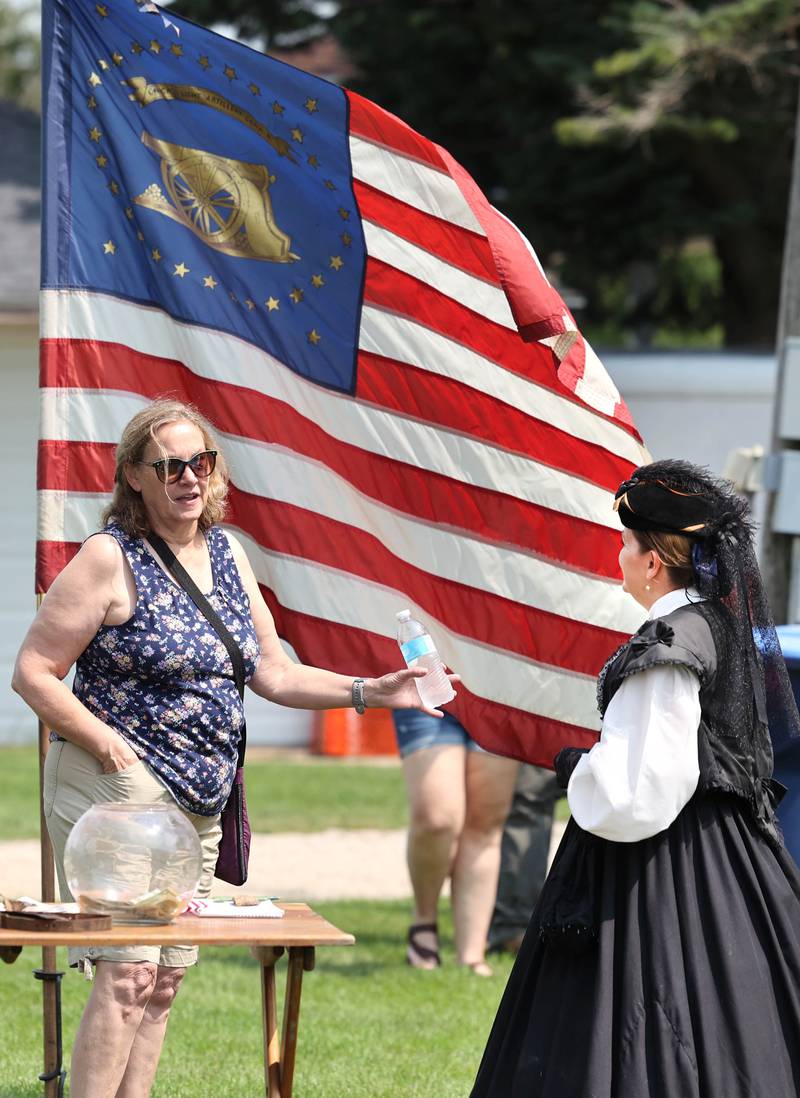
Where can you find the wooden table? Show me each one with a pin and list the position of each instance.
(299, 932)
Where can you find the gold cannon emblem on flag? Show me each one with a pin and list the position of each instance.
(223, 201)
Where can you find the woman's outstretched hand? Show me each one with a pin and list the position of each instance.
(397, 690)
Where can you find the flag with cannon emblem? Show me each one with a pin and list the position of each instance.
(410, 415)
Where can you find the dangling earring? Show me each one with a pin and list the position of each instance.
(647, 587)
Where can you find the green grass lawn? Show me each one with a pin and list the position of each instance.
(369, 1026)
(19, 804)
(283, 794)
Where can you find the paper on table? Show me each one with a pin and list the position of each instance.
(29, 904)
(226, 909)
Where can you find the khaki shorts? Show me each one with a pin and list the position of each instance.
(73, 782)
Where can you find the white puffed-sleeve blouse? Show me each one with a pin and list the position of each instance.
(644, 769)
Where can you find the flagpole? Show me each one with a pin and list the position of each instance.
(53, 1075)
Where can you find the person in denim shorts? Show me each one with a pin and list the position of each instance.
(459, 796)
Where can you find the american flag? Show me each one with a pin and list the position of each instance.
(410, 416)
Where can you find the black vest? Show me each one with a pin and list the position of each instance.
(734, 747)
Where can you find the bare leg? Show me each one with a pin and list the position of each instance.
(490, 787)
(119, 997)
(146, 1049)
(435, 784)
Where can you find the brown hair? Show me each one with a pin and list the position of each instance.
(126, 506)
(674, 550)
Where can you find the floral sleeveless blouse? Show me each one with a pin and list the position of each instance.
(164, 679)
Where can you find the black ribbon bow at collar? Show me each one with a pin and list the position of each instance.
(652, 632)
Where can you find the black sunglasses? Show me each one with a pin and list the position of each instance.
(170, 470)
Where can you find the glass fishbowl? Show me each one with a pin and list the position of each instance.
(139, 863)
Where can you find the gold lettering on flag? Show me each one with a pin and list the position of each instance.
(563, 344)
(145, 93)
(225, 202)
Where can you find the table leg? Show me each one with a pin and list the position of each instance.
(300, 960)
(268, 955)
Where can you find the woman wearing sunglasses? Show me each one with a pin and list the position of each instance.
(154, 714)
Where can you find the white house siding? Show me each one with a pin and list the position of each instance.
(698, 406)
(19, 418)
(686, 405)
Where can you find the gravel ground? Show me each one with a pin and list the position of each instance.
(323, 865)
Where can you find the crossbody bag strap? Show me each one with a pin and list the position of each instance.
(208, 611)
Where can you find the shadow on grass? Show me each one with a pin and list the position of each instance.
(357, 968)
(347, 966)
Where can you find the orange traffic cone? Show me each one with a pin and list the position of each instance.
(343, 732)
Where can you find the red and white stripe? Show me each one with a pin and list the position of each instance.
(469, 478)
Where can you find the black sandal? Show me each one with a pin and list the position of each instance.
(418, 955)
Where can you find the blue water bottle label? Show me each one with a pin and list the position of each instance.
(418, 646)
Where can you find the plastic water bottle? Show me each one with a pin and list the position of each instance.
(418, 650)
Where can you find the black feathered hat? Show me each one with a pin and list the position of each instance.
(679, 498)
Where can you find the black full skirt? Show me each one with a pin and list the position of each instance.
(692, 986)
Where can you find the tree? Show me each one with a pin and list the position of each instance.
(266, 19)
(711, 87)
(644, 150)
(19, 56)
(489, 81)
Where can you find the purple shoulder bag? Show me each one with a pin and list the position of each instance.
(234, 846)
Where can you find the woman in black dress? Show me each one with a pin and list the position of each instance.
(663, 958)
